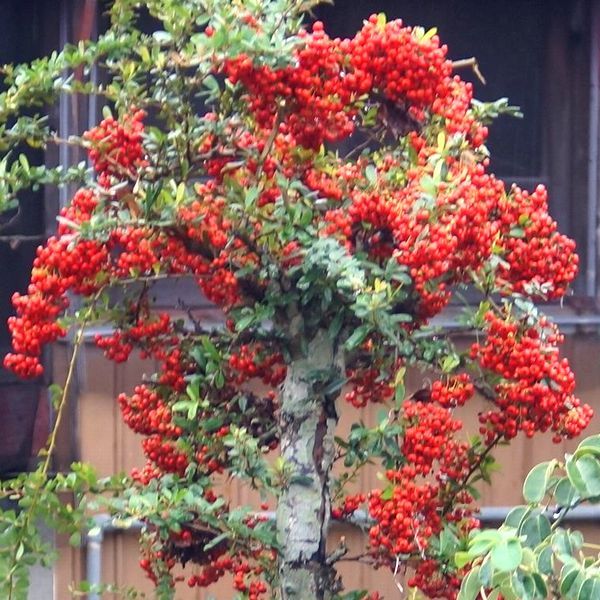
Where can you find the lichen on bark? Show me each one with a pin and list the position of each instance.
(308, 420)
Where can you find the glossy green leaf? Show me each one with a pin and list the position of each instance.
(565, 493)
(536, 482)
(590, 589)
(545, 559)
(469, 589)
(591, 444)
(516, 515)
(506, 555)
(571, 579)
(536, 528)
(541, 589)
(584, 474)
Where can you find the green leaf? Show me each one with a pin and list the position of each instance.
(216, 541)
(428, 185)
(564, 493)
(536, 529)
(162, 37)
(75, 539)
(462, 558)
(590, 444)
(437, 170)
(469, 589)
(486, 572)
(571, 579)
(584, 474)
(523, 585)
(506, 555)
(24, 163)
(450, 363)
(561, 544)
(536, 482)
(211, 84)
(359, 335)
(545, 560)
(20, 551)
(371, 174)
(516, 515)
(541, 590)
(590, 589)
(244, 322)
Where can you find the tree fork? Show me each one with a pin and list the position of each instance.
(308, 420)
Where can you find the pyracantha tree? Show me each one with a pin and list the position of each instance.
(329, 196)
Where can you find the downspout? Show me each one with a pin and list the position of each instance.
(94, 540)
(593, 164)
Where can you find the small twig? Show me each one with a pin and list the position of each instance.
(465, 63)
(340, 551)
(360, 147)
(365, 558)
(51, 443)
(270, 141)
(15, 240)
(396, 568)
(12, 220)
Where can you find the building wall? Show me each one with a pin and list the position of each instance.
(107, 443)
(94, 430)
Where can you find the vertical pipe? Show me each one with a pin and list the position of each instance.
(593, 162)
(92, 8)
(93, 566)
(63, 104)
(103, 524)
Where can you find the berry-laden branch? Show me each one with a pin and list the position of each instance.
(219, 167)
(31, 509)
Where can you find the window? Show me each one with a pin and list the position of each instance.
(542, 55)
(25, 32)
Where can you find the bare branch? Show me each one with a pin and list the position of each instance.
(472, 63)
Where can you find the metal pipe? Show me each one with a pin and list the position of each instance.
(449, 324)
(63, 104)
(593, 161)
(94, 540)
(495, 514)
(104, 524)
(491, 514)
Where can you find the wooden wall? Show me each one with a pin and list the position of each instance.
(111, 447)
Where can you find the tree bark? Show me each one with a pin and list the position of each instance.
(308, 420)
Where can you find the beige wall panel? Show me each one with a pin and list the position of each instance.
(106, 442)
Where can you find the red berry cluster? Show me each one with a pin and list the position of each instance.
(320, 90)
(316, 91)
(431, 578)
(59, 267)
(152, 333)
(165, 455)
(454, 392)
(439, 241)
(536, 388)
(429, 438)
(245, 576)
(366, 386)
(406, 514)
(539, 261)
(146, 412)
(116, 149)
(254, 362)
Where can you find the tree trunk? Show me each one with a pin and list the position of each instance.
(308, 420)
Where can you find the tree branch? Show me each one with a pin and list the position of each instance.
(472, 63)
